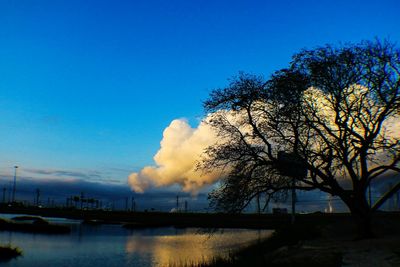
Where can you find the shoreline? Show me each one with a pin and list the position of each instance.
(315, 238)
(327, 245)
(201, 220)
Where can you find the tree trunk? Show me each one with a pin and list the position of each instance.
(364, 226)
(362, 216)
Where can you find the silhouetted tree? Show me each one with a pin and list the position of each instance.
(332, 111)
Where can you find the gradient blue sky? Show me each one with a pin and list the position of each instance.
(89, 86)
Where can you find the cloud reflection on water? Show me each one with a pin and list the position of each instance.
(191, 246)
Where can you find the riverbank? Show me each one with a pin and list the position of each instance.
(157, 219)
(316, 240)
(283, 248)
(326, 244)
(32, 225)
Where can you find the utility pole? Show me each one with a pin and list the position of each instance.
(177, 202)
(4, 194)
(9, 192)
(186, 206)
(398, 200)
(133, 204)
(126, 204)
(397, 204)
(81, 198)
(293, 166)
(391, 199)
(37, 197)
(15, 183)
(369, 195)
(293, 200)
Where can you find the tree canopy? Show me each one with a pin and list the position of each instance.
(334, 110)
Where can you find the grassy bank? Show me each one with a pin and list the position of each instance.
(283, 248)
(320, 241)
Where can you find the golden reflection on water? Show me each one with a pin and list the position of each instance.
(191, 247)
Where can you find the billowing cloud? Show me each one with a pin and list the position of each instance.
(393, 127)
(182, 146)
(175, 162)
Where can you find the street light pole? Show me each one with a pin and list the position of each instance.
(293, 217)
(15, 183)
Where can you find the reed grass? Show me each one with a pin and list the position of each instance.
(257, 254)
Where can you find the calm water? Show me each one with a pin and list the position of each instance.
(112, 245)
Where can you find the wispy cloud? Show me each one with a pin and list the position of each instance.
(65, 173)
(116, 193)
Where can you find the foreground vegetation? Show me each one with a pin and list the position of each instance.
(7, 253)
(283, 248)
(319, 242)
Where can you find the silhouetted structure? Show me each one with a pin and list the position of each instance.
(15, 183)
(4, 194)
(133, 204)
(37, 200)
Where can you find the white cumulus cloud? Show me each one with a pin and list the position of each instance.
(175, 162)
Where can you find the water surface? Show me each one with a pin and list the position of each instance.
(112, 245)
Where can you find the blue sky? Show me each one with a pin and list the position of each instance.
(89, 86)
